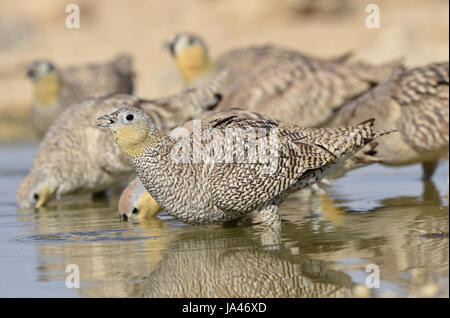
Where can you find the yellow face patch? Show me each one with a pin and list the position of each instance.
(193, 62)
(47, 89)
(133, 139)
(148, 207)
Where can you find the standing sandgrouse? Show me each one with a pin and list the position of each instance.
(136, 201)
(256, 165)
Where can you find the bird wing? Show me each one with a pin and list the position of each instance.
(423, 97)
(414, 101)
(255, 181)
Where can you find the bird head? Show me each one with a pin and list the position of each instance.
(39, 69)
(132, 129)
(190, 54)
(47, 82)
(136, 202)
(34, 192)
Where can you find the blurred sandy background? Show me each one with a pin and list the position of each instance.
(415, 29)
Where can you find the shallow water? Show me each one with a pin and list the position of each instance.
(376, 215)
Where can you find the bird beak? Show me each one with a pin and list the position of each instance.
(40, 203)
(108, 118)
(46, 194)
(124, 217)
(30, 73)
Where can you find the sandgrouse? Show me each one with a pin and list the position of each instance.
(254, 167)
(279, 82)
(55, 89)
(415, 102)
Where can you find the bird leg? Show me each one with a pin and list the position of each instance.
(428, 169)
(270, 213)
(271, 238)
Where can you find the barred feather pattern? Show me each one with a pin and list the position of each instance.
(214, 192)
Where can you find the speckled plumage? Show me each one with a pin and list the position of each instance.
(214, 192)
(131, 202)
(414, 101)
(130, 196)
(76, 155)
(282, 83)
(55, 89)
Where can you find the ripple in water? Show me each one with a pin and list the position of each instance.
(88, 236)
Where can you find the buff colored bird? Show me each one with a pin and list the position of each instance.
(205, 188)
(277, 82)
(414, 101)
(76, 156)
(133, 200)
(55, 89)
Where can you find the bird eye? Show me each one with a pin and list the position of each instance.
(191, 41)
(135, 211)
(30, 73)
(129, 117)
(36, 196)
